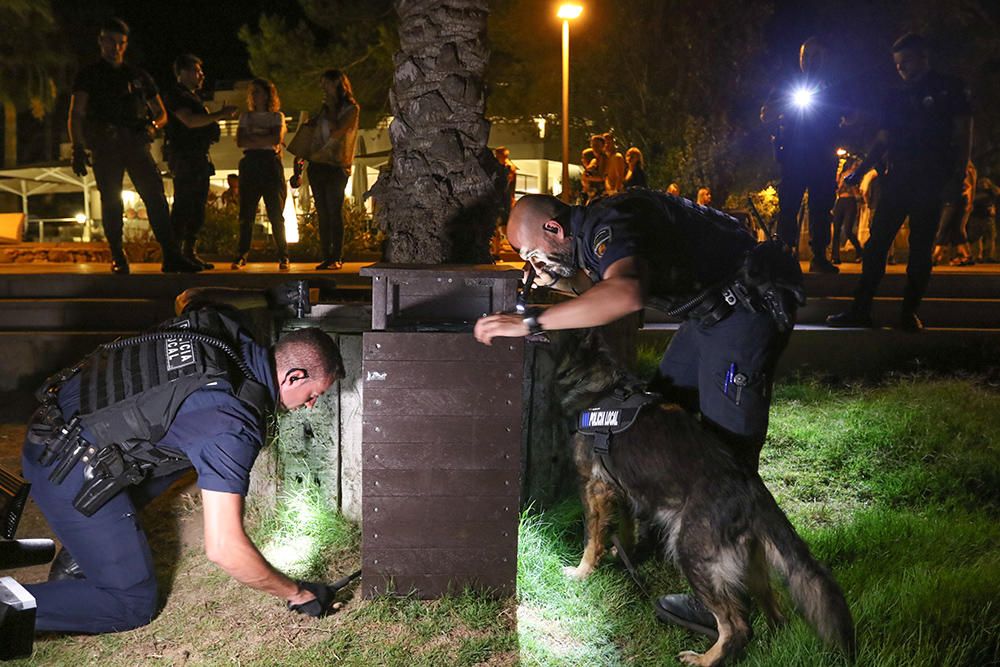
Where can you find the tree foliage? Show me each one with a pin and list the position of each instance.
(359, 38)
(30, 60)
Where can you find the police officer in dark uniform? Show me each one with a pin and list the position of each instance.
(805, 115)
(117, 429)
(189, 133)
(925, 137)
(113, 110)
(646, 248)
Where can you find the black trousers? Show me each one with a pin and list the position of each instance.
(115, 151)
(192, 173)
(902, 198)
(845, 216)
(262, 175)
(819, 177)
(327, 182)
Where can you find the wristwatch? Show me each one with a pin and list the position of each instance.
(531, 321)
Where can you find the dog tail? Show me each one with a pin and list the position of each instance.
(812, 587)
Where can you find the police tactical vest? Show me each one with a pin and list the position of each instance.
(131, 390)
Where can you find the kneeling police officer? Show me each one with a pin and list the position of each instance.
(738, 300)
(117, 429)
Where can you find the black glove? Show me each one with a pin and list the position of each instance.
(80, 161)
(318, 607)
(295, 181)
(292, 295)
(855, 177)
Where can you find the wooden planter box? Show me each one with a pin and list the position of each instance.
(441, 435)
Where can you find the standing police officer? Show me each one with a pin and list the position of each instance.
(116, 430)
(188, 135)
(112, 112)
(925, 136)
(805, 114)
(642, 247)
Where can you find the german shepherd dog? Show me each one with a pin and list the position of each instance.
(716, 519)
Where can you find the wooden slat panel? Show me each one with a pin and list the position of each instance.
(460, 483)
(395, 562)
(440, 373)
(466, 456)
(409, 346)
(425, 587)
(431, 403)
(431, 509)
(446, 429)
(443, 532)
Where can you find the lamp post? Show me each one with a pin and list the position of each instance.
(567, 12)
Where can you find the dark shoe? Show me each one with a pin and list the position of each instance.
(187, 249)
(283, 264)
(239, 263)
(330, 264)
(850, 319)
(909, 322)
(822, 266)
(65, 567)
(962, 261)
(835, 261)
(179, 264)
(119, 265)
(688, 612)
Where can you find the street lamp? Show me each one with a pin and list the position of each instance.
(567, 12)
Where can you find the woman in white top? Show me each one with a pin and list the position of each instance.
(330, 160)
(260, 134)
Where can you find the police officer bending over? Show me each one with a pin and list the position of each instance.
(113, 110)
(192, 129)
(117, 429)
(645, 248)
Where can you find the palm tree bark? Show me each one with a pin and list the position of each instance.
(439, 197)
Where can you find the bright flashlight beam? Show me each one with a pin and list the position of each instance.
(803, 98)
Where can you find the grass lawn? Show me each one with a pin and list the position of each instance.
(895, 487)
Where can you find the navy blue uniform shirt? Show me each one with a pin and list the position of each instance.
(918, 118)
(219, 434)
(688, 247)
(116, 95)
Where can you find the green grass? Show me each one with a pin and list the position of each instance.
(896, 487)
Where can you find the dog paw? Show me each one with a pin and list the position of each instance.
(691, 658)
(579, 573)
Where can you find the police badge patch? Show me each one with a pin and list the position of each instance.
(601, 240)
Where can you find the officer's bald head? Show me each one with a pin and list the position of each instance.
(528, 218)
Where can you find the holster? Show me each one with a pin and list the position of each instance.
(108, 473)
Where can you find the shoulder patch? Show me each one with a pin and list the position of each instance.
(601, 240)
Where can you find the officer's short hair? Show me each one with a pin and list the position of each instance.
(115, 24)
(312, 350)
(911, 41)
(186, 62)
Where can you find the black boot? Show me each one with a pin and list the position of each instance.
(178, 263)
(188, 251)
(119, 261)
(853, 318)
(65, 567)
(688, 612)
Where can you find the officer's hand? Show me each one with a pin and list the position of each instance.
(80, 161)
(295, 181)
(228, 111)
(322, 598)
(492, 326)
(854, 178)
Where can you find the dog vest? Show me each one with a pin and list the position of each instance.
(614, 413)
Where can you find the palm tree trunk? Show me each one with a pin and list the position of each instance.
(439, 198)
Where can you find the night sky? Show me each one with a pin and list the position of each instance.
(163, 30)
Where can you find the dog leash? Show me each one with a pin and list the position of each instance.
(633, 572)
